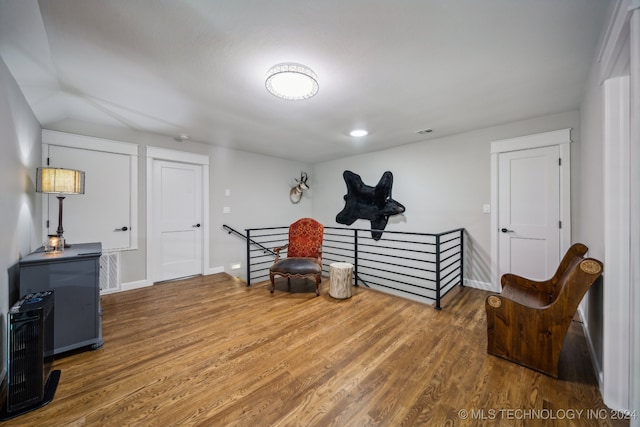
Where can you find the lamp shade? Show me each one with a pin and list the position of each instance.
(59, 180)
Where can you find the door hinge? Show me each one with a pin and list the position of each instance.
(559, 224)
(48, 162)
(559, 161)
(47, 223)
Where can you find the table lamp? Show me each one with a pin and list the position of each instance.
(61, 182)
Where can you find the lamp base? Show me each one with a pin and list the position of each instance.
(60, 230)
(55, 243)
(65, 244)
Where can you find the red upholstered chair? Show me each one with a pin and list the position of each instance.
(304, 253)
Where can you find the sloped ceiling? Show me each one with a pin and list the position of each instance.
(393, 67)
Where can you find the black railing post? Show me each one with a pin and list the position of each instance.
(438, 272)
(355, 255)
(248, 257)
(462, 257)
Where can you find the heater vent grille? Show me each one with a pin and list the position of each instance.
(109, 272)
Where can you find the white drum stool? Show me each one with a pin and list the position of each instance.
(340, 278)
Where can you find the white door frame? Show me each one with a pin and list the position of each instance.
(561, 138)
(617, 241)
(82, 142)
(634, 251)
(619, 55)
(165, 154)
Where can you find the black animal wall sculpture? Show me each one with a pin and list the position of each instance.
(366, 202)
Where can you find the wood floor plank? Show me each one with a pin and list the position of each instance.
(209, 351)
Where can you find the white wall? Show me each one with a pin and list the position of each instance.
(259, 195)
(588, 212)
(443, 184)
(20, 209)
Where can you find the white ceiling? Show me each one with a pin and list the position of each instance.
(393, 67)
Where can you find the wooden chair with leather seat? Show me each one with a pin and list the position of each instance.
(304, 253)
(528, 321)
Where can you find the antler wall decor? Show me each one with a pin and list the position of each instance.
(296, 191)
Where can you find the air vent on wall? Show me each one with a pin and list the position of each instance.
(109, 272)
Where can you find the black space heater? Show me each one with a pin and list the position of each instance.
(31, 383)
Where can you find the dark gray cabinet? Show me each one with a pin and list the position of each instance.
(74, 276)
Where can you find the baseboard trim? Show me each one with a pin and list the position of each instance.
(594, 360)
(146, 282)
(214, 270)
(485, 286)
(135, 285)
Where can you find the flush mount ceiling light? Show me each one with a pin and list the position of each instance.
(357, 133)
(291, 81)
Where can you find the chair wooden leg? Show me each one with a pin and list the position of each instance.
(318, 280)
(273, 284)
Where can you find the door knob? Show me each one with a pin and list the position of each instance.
(125, 228)
(197, 225)
(504, 230)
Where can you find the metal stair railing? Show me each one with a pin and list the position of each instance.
(421, 266)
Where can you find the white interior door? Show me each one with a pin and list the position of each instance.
(102, 214)
(177, 213)
(529, 212)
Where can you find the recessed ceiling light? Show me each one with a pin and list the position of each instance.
(358, 133)
(182, 137)
(291, 81)
(424, 131)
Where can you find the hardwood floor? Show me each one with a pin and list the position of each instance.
(209, 351)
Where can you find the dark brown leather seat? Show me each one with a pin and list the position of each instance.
(296, 266)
